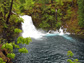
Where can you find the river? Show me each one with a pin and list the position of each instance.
(49, 48)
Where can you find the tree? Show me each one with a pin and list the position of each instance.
(9, 11)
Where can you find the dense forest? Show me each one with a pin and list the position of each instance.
(46, 14)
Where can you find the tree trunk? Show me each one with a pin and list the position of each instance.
(56, 15)
(9, 11)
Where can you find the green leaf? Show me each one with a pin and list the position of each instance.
(69, 53)
(3, 46)
(1, 60)
(11, 55)
(8, 46)
(17, 30)
(16, 46)
(23, 50)
(23, 40)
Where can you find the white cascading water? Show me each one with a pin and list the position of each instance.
(29, 30)
(61, 31)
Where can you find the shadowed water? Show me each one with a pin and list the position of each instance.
(51, 49)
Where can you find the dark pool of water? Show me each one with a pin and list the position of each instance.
(52, 49)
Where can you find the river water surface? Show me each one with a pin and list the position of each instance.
(48, 47)
(52, 49)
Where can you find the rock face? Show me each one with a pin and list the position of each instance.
(3, 55)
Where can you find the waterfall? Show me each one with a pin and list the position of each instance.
(29, 29)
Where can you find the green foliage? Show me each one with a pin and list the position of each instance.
(59, 15)
(8, 46)
(11, 28)
(5, 25)
(81, 12)
(20, 6)
(11, 55)
(23, 50)
(16, 7)
(60, 2)
(28, 4)
(58, 25)
(42, 1)
(44, 24)
(15, 19)
(59, 18)
(59, 11)
(47, 21)
(0, 40)
(15, 45)
(52, 10)
(46, 8)
(22, 1)
(50, 17)
(23, 40)
(75, 61)
(4, 6)
(70, 54)
(17, 30)
(1, 60)
(68, 13)
(63, 1)
(70, 61)
(47, 18)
